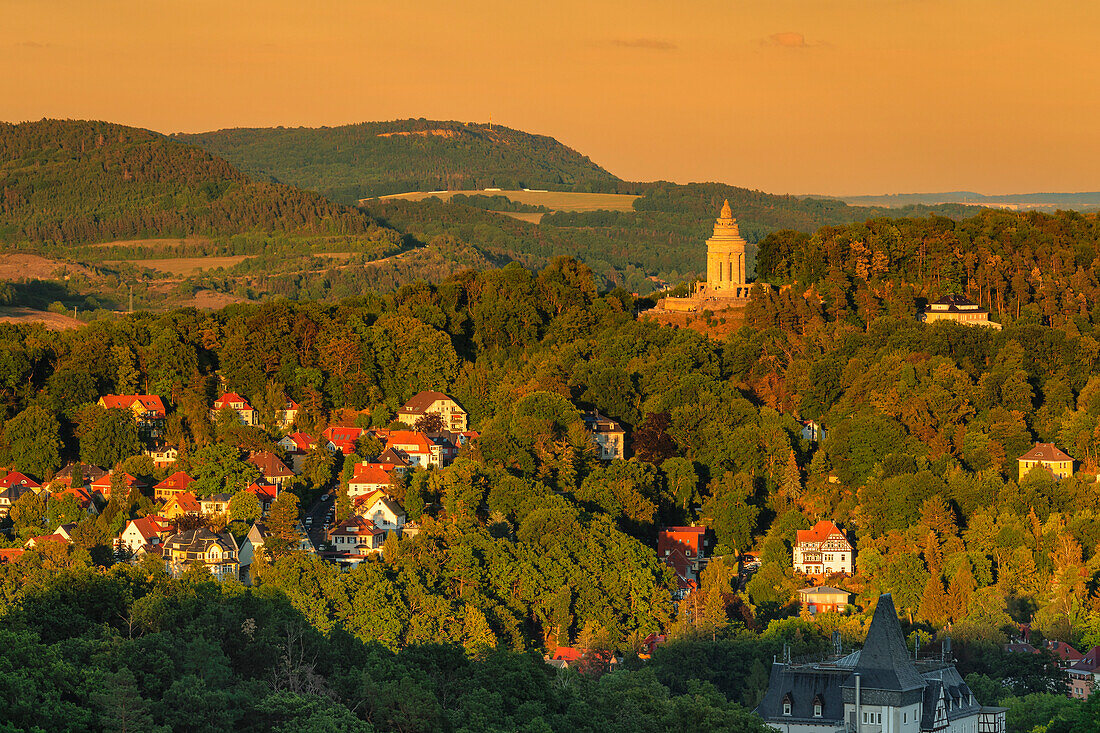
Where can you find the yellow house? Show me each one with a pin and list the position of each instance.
(1048, 456)
(180, 504)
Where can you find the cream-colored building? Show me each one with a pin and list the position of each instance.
(959, 309)
(726, 257)
(1048, 456)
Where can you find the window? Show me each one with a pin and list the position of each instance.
(786, 708)
(817, 710)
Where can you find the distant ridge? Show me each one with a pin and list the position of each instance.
(1042, 201)
(352, 162)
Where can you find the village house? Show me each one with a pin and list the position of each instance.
(823, 599)
(419, 449)
(254, 543)
(177, 483)
(15, 478)
(217, 551)
(86, 471)
(822, 550)
(58, 537)
(356, 538)
(394, 461)
(11, 495)
(383, 512)
(216, 504)
(81, 495)
(148, 410)
(265, 493)
(102, 486)
(684, 549)
(285, 417)
(341, 439)
(179, 505)
(237, 404)
(143, 531)
(877, 689)
(960, 309)
(453, 417)
(163, 456)
(368, 478)
(297, 447)
(1046, 455)
(1084, 674)
(608, 435)
(273, 470)
(10, 554)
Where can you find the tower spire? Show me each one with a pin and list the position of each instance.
(727, 212)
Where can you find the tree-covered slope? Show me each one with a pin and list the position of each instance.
(66, 182)
(375, 158)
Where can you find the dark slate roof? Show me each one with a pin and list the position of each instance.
(884, 662)
(802, 685)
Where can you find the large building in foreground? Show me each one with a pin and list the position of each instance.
(878, 689)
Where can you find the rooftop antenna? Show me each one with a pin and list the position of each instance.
(916, 649)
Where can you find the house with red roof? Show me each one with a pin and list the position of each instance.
(10, 555)
(15, 478)
(144, 531)
(102, 486)
(271, 467)
(823, 550)
(385, 513)
(421, 449)
(55, 537)
(1048, 456)
(264, 492)
(87, 472)
(237, 404)
(355, 539)
(368, 478)
(297, 447)
(180, 504)
(1084, 674)
(684, 549)
(13, 486)
(83, 498)
(434, 403)
(341, 438)
(177, 483)
(148, 410)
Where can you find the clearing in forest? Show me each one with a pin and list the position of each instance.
(553, 200)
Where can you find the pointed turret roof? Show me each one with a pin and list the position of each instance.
(884, 662)
(727, 212)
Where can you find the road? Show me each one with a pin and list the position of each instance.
(318, 516)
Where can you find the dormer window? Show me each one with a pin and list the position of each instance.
(818, 706)
(787, 704)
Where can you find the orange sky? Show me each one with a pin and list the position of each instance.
(830, 96)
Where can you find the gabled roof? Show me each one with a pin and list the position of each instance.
(357, 526)
(370, 473)
(227, 398)
(148, 527)
(263, 491)
(269, 464)
(88, 471)
(148, 402)
(1045, 452)
(178, 481)
(394, 458)
(199, 540)
(10, 554)
(12, 493)
(186, 501)
(303, 443)
(15, 478)
(410, 441)
(422, 401)
(83, 499)
(392, 506)
(818, 533)
(884, 662)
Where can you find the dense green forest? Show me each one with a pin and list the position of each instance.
(377, 158)
(67, 182)
(529, 542)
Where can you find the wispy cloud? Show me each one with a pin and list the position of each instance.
(645, 44)
(790, 39)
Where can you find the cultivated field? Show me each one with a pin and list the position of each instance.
(149, 243)
(184, 265)
(553, 200)
(52, 321)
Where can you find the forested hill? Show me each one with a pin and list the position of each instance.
(66, 182)
(376, 158)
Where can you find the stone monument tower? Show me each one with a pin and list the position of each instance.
(726, 257)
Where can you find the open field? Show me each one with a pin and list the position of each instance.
(533, 217)
(34, 267)
(52, 321)
(554, 200)
(184, 265)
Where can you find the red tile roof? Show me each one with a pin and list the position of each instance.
(227, 398)
(818, 533)
(303, 443)
(568, 654)
(187, 502)
(263, 491)
(83, 498)
(370, 473)
(178, 481)
(410, 441)
(149, 527)
(10, 554)
(15, 478)
(422, 401)
(1045, 452)
(149, 402)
